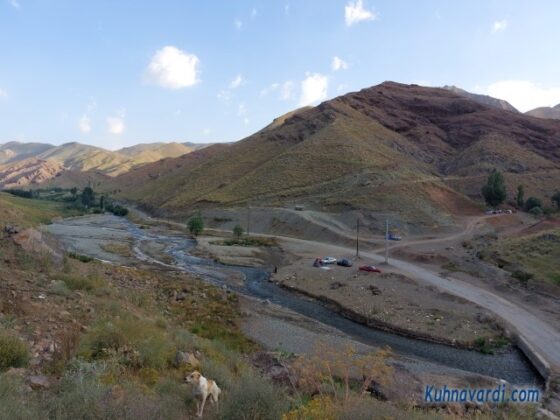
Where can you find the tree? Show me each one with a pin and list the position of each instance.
(87, 196)
(494, 191)
(73, 191)
(556, 199)
(520, 197)
(195, 224)
(102, 203)
(533, 202)
(238, 231)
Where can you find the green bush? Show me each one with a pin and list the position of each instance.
(15, 403)
(133, 343)
(253, 398)
(79, 257)
(77, 282)
(13, 352)
(522, 276)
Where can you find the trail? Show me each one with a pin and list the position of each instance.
(543, 337)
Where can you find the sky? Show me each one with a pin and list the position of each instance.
(114, 73)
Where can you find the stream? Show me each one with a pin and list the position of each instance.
(510, 365)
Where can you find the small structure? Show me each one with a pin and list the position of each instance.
(299, 207)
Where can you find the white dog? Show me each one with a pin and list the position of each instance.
(204, 388)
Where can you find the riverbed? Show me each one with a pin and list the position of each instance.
(86, 235)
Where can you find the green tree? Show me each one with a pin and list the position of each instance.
(520, 197)
(102, 203)
(556, 199)
(533, 202)
(195, 224)
(87, 196)
(238, 231)
(494, 191)
(74, 191)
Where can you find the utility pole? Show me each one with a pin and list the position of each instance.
(357, 238)
(386, 241)
(248, 218)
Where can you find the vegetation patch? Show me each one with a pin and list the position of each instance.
(119, 248)
(13, 352)
(80, 257)
(253, 241)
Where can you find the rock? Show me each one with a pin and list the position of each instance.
(180, 296)
(18, 372)
(39, 382)
(336, 285)
(185, 358)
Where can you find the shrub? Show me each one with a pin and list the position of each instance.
(532, 202)
(494, 191)
(536, 211)
(253, 398)
(79, 257)
(196, 225)
(15, 403)
(13, 352)
(87, 283)
(522, 276)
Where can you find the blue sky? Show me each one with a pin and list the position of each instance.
(116, 73)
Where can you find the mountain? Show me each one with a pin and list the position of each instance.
(546, 112)
(15, 151)
(415, 152)
(151, 152)
(82, 157)
(24, 164)
(28, 171)
(483, 99)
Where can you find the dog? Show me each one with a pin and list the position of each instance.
(204, 388)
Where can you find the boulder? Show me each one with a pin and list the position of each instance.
(183, 358)
(39, 382)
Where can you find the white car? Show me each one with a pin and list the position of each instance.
(328, 260)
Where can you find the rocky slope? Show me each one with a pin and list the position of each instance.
(545, 112)
(483, 99)
(403, 149)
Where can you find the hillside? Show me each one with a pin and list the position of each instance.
(32, 164)
(151, 152)
(15, 151)
(545, 112)
(483, 99)
(393, 148)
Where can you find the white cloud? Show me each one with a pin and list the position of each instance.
(499, 25)
(287, 9)
(269, 89)
(241, 110)
(523, 94)
(115, 124)
(246, 121)
(313, 89)
(253, 13)
(3, 94)
(238, 81)
(15, 4)
(224, 96)
(238, 24)
(172, 68)
(287, 90)
(338, 64)
(341, 87)
(84, 124)
(354, 12)
(206, 132)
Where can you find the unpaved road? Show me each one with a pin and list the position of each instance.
(544, 338)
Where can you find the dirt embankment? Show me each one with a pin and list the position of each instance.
(395, 303)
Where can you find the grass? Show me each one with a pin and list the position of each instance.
(531, 258)
(122, 249)
(88, 282)
(255, 241)
(26, 212)
(13, 352)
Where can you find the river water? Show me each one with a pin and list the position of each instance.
(511, 365)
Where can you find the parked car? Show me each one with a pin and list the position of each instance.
(370, 269)
(394, 237)
(345, 262)
(328, 260)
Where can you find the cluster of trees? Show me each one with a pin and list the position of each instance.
(196, 226)
(86, 200)
(495, 193)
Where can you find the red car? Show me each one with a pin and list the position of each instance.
(370, 269)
